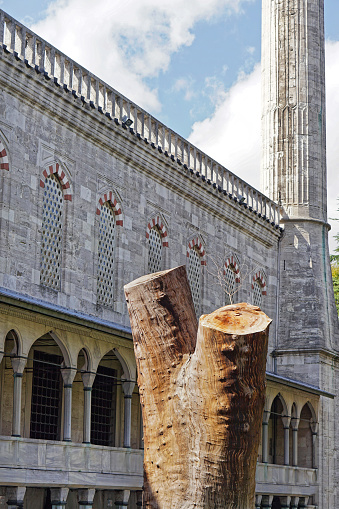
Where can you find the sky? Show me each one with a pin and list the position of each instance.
(193, 64)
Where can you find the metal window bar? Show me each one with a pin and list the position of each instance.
(46, 396)
(103, 407)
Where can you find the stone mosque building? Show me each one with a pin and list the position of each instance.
(95, 192)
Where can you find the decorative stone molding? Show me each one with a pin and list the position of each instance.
(55, 169)
(4, 162)
(196, 242)
(232, 263)
(157, 221)
(109, 197)
(261, 278)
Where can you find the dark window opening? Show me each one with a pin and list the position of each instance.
(103, 407)
(46, 396)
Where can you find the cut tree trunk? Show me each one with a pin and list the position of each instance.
(202, 394)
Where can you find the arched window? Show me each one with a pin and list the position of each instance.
(194, 277)
(154, 250)
(106, 247)
(51, 243)
(230, 285)
(257, 294)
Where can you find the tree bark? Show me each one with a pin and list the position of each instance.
(202, 395)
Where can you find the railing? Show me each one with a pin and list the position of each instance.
(24, 460)
(304, 479)
(66, 73)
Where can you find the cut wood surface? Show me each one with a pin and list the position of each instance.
(202, 394)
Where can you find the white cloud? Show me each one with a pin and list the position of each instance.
(126, 42)
(185, 85)
(232, 134)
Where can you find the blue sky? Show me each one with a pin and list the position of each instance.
(193, 64)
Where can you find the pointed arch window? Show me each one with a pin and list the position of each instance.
(230, 285)
(106, 249)
(257, 294)
(51, 242)
(194, 277)
(155, 245)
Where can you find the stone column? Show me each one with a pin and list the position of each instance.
(59, 497)
(258, 501)
(68, 375)
(295, 426)
(139, 498)
(85, 498)
(294, 502)
(128, 388)
(314, 429)
(15, 497)
(266, 418)
(121, 499)
(303, 502)
(88, 379)
(18, 364)
(267, 501)
(285, 502)
(286, 423)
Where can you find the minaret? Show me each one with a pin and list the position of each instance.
(294, 175)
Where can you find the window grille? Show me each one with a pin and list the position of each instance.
(154, 250)
(51, 244)
(257, 294)
(106, 248)
(194, 277)
(103, 407)
(230, 285)
(46, 396)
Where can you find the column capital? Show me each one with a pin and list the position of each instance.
(68, 375)
(88, 378)
(128, 388)
(15, 496)
(122, 498)
(59, 496)
(18, 365)
(285, 502)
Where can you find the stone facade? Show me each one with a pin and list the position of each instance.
(71, 170)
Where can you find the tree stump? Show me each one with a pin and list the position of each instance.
(202, 394)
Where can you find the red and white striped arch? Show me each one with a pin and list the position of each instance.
(4, 162)
(232, 264)
(261, 278)
(110, 198)
(156, 221)
(55, 169)
(196, 243)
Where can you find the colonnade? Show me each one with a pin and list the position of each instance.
(15, 496)
(281, 502)
(68, 375)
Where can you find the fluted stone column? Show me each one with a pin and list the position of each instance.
(68, 375)
(85, 498)
(88, 379)
(128, 388)
(15, 497)
(18, 364)
(121, 499)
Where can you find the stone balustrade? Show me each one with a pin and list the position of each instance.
(31, 462)
(293, 481)
(73, 78)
